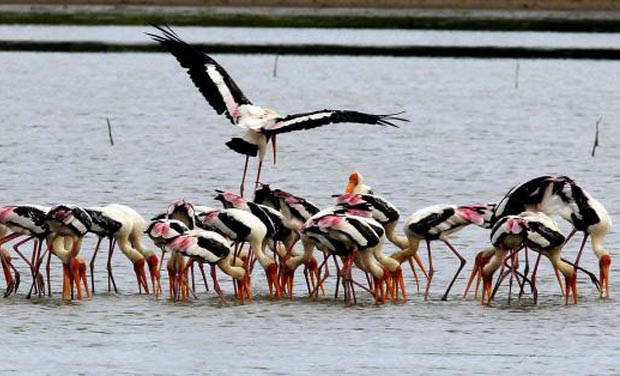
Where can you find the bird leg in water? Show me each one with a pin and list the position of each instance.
(216, 285)
(38, 282)
(111, 281)
(92, 265)
(21, 255)
(583, 243)
(204, 276)
(11, 283)
(338, 276)
(526, 271)
(315, 292)
(463, 262)
(431, 271)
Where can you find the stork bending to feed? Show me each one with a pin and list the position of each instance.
(28, 221)
(562, 195)
(282, 235)
(241, 226)
(437, 223)
(73, 222)
(342, 235)
(122, 225)
(261, 125)
(387, 215)
(537, 231)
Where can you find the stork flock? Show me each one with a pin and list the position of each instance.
(283, 232)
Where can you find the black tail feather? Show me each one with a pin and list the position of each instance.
(241, 146)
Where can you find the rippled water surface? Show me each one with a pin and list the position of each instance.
(472, 136)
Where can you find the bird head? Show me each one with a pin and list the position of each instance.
(354, 180)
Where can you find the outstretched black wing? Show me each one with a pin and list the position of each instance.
(315, 119)
(210, 78)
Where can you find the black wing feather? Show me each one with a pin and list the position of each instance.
(196, 61)
(309, 120)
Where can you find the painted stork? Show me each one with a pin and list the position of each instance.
(122, 225)
(161, 232)
(284, 237)
(342, 235)
(29, 221)
(537, 231)
(562, 195)
(261, 125)
(355, 185)
(387, 215)
(241, 226)
(437, 223)
(214, 249)
(67, 221)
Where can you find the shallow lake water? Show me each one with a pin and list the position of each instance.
(472, 136)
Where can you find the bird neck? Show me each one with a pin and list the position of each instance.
(128, 250)
(305, 256)
(405, 254)
(371, 263)
(555, 256)
(258, 247)
(235, 272)
(386, 261)
(597, 246)
(146, 252)
(400, 241)
(496, 261)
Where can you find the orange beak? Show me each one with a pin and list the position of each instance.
(571, 286)
(399, 281)
(487, 287)
(271, 272)
(481, 261)
(604, 264)
(154, 272)
(353, 182)
(138, 268)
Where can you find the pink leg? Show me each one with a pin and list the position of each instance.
(216, 284)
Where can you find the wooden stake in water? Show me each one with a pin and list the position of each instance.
(517, 67)
(600, 118)
(110, 131)
(275, 66)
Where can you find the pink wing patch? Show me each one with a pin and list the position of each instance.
(330, 221)
(5, 211)
(471, 215)
(350, 198)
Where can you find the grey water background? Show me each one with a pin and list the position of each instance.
(471, 137)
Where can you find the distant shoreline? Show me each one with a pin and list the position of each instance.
(589, 5)
(505, 19)
(328, 49)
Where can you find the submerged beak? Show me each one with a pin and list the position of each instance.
(153, 263)
(138, 268)
(271, 273)
(604, 264)
(275, 149)
(487, 287)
